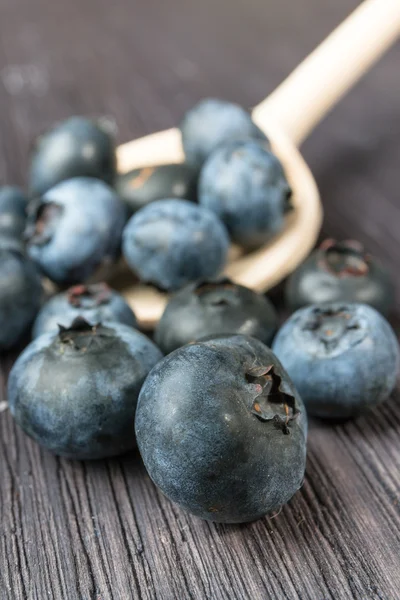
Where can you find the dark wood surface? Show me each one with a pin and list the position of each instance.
(102, 531)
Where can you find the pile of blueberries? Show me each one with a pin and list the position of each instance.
(218, 416)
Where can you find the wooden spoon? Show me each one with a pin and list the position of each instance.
(287, 116)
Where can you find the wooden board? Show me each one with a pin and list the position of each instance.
(101, 531)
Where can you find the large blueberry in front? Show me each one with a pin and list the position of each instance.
(213, 122)
(96, 303)
(214, 308)
(75, 392)
(142, 186)
(222, 430)
(20, 296)
(245, 185)
(343, 358)
(75, 228)
(13, 203)
(172, 242)
(340, 272)
(78, 147)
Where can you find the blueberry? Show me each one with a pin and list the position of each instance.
(213, 122)
(20, 296)
(78, 147)
(74, 228)
(245, 185)
(172, 242)
(13, 203)
(142, 186)
(96, 303)
(343, 358)
(340, 272)
(75, 392)
(222, 430)
(213, 308)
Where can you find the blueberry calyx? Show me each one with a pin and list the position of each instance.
(272, 402)
(89, 296)
(346, 258)
(42, 222)
(219, 292)
(331, 327)
(204, 285)
(81, 335)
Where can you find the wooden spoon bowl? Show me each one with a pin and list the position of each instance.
(262, 268)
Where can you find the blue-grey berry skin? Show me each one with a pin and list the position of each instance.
(20, 296)
(173, 242)
(75, 228)
(214, 308)
(78, 147)
(245, 185)
(75, 392)
(343, 358)
(13, 203)
(96, 303)
(340, 272)
(222, 430)
(213, 122)
(10, 241)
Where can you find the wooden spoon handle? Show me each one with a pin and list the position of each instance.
(160, 148)
(319, 82)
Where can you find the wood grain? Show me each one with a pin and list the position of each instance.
(101, 531)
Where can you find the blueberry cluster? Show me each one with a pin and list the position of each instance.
(220, 418)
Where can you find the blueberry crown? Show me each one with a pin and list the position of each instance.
(81, 336)
(89, 296)
(272, 402)
(334, 328)
(218, 292)
(43, 219)
(344, 259)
